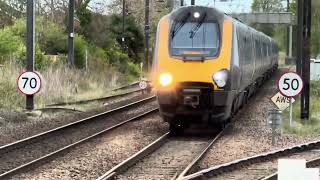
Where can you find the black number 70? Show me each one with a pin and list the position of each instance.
(32, 83)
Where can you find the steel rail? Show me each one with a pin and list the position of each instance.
(227, 167)
(136, 83)
(22, 142)
(96, 99)
(123, 166)
(310, 164)
(135, 158)
(192, 165)
(50, 155)
(58, 108)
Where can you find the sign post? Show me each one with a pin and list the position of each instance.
(290, 115)
(290, 85)
(274, 121)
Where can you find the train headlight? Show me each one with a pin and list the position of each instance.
(196, 15)
(165, 79)
(220, 78)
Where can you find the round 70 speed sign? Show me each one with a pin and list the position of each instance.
(290, 84)
(29, 83)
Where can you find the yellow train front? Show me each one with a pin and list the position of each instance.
(207, 64)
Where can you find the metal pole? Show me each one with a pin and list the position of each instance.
(273, 135)
(290, 115)
(193, 2)
(288, 32)
(306, 35)
(299, 37)
(71, 33)
(86, 59)
(30, 46)
(147, 32)
(290, 40)
(123, 23)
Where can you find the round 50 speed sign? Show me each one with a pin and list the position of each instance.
(29, 83)
(290, 84)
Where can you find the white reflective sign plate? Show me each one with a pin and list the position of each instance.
(281, 101)
(29, 83)
(290, 84)
(143, 84)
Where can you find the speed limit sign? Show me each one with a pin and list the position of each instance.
(290, 84)
(143, 84)
(29, 83)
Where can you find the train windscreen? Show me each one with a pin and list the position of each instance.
(195, 40)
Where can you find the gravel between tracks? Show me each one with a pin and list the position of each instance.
(248, 135)
(169, 159)
(65, 137)
(17, 125)
(95, 157)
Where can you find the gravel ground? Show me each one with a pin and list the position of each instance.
(95, 157)
(248, 135)
(67, 136)
(170, 159)
(17, 125)
(263, 169)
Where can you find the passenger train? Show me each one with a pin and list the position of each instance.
(207, 64)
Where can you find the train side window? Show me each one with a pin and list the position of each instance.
(235, 48)
(248, 48)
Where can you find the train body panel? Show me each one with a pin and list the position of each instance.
(207, 64)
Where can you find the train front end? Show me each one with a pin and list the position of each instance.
(191, 69)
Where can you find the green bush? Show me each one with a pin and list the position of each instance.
(315, 88)
(80, 46)
(12, 42)
(52, 38)
(9, 42)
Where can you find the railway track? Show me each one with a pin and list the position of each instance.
(168, 157)
(313, 163)
(107, 98)
(132, 85)
(23, 154)
(263, 166)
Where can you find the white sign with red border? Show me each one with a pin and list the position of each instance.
(29, 83)
(290, 84)
(143, 84)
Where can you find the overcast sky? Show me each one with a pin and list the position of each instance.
(228, 6)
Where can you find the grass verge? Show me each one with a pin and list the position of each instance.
(60, 84)
(305, 127)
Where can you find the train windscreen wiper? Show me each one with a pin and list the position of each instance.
(177, 26)
(194, 30)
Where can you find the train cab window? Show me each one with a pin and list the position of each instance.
(196, 41)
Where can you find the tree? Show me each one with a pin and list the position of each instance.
(267, 6)
(84, 15)
(315, 31)
(133, 35)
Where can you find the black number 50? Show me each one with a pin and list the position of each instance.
(293, 85)
(32, 82)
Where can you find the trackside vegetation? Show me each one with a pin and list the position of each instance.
(305, 127)
(100, 63)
